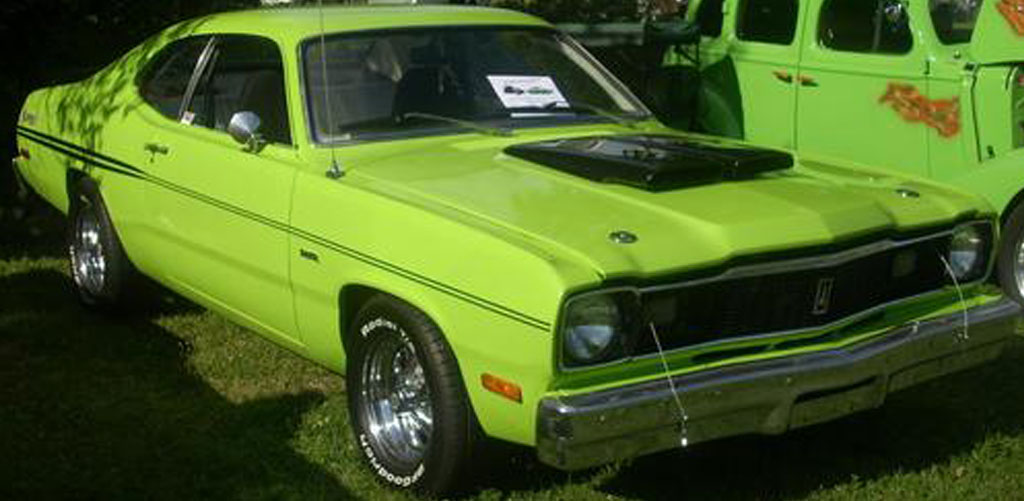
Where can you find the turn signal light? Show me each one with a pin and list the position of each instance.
(502, 387)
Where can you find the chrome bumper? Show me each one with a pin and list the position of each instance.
(767, 397)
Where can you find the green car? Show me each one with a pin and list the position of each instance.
(931, 88)
(491, 237)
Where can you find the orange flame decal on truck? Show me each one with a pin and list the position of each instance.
(1013, 11)
(941, 114)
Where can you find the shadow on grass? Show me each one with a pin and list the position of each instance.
(914, 431)
(97, 409)
(31, 229)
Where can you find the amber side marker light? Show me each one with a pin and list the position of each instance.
(502, 387)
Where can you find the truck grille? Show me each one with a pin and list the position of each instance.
(822, 292)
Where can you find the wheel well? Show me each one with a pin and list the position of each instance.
(1014, 202)
(73, 176)
(350, 299)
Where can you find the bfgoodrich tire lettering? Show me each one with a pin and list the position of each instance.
(99, 268)
(402, 373)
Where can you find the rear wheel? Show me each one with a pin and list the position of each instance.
(99, 268)
(1011, 255)
(408, 407)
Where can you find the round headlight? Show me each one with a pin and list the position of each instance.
(592, 325)
(966, 251)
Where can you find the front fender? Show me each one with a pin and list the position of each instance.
(1000, 181)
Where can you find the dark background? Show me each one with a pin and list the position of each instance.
(46, 42)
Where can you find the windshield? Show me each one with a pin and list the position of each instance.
(954, 19)
(384, 83)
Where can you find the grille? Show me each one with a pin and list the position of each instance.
(794, 299)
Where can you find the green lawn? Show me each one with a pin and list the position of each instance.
(174, 402)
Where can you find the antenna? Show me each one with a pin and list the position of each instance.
(335, 171)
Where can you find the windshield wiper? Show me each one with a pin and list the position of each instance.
(580, 106)
(491, 131)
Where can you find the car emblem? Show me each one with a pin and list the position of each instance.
(623, 237)
(823, 296)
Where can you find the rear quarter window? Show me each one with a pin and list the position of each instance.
(954, 20)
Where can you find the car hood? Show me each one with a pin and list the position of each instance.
(676, 230)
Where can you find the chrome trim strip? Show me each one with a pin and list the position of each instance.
(802, 264)
(770, 396)
(197, 74)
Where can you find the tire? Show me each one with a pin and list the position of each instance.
(429, 446)
(100, 270)
(1010, 261)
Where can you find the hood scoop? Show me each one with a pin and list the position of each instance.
(652, 162)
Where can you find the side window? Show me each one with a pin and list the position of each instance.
(245, 73)
(768, 21)
(709, 18)
(164, 81)
(869, 26)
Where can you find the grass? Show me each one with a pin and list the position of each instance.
(174, 402)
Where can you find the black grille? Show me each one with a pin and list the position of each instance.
(792, 300)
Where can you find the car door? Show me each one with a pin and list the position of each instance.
(862, 77)
(221, 212)
(765, 53)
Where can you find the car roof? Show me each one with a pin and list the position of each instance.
(303, 22)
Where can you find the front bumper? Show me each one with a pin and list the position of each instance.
(767, 397)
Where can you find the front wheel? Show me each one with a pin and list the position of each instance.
(407, 403)
(1011, 255)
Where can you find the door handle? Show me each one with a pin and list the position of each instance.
(806, 81)
(157, 149)
(782, 76)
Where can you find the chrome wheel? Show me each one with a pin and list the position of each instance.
(1018, 266)
(87, 254)
(396, 399)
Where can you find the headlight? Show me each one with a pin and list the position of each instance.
(593, 329)
(968, 251)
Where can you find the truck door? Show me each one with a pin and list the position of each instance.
(765, 53)
(862, 86)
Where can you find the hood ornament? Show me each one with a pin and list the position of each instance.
(623, 237)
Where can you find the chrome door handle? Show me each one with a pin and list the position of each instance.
(157, 149)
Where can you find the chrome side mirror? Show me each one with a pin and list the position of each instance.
(244, 128)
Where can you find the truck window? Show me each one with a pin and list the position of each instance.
(871, 26)
(768, 21)
(954, 20)
(709, 18)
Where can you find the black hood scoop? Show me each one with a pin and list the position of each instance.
(652, 162)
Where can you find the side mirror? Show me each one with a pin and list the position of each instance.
(675, 32)
(244, 128)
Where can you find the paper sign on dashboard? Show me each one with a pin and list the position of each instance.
(527, 91)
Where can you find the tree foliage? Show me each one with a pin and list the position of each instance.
(52, 41)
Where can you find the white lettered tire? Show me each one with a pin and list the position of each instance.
(407, 404)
